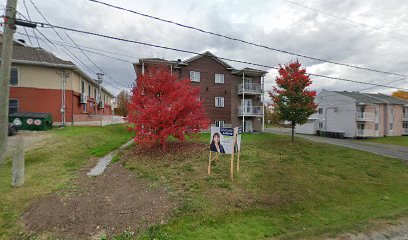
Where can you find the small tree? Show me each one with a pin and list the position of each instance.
(400, 94)
(122, 102)
(291, 100)
(162, 106)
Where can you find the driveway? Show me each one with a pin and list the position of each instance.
(381, 149)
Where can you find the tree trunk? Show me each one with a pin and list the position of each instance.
(293, 131)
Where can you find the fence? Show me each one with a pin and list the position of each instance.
(96, 120)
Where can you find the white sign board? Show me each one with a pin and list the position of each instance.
(225, 140)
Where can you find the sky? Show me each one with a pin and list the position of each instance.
(366, 33)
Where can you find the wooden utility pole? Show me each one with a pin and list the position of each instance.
(7, 51)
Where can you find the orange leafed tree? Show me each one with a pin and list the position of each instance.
(400, 94)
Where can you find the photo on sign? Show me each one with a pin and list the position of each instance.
(225, 140)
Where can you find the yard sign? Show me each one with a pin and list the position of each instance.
(227, 141)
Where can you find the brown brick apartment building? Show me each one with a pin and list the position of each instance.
(232, 97)
(41, 82)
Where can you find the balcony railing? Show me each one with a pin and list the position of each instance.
(365, 116)
(250, 88)
(250, 111)
(365, 133)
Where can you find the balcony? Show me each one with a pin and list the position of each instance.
(250, 88)
(250, 111)
(365, 116)
(365, 133)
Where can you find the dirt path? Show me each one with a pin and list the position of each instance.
(382, 230)
(108, 204)
(32, 139)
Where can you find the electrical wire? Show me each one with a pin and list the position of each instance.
(42, 15)
(246, 42)
(47, 25)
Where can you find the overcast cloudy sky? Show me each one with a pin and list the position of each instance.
(375, 37)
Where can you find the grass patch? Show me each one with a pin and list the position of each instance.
(400, 141)
(51, 167)
(284, 190)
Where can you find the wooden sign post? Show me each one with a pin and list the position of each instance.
(225, 140)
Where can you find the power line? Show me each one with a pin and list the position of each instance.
(195, 53)
(244, 41)
(72, 41)
(338, 17)
(100, 69)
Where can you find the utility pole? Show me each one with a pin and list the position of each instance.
(7, 51)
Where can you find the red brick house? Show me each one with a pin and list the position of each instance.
(232, 97)
(41, 82)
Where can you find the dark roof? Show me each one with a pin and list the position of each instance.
(371, 98)
(26, 53)
(178, 63)
(210, 54)
(390, 99)
(30, 114)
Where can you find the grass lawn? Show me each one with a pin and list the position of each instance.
(52, 167)
(290, 191)
(401, 140)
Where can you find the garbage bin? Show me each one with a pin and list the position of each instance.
(31, 120)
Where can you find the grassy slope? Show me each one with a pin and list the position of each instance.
(401, 141)
(292, 191)
(52, 167)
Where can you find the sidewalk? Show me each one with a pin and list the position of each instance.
(377, 148)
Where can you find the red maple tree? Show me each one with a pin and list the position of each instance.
(162, 106)
(291, 100)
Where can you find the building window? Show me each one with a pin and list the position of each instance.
(13, 106)
(377, 127)
(82, 86)
(195, 76)
(391, 126)
(219, 78)
(392, 110)
(95, 93)
(14, 77)
(89, 90)
(320, 110)
(219, 102)
(219, 123)
(320, 125)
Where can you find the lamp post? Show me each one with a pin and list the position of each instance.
(99, 81)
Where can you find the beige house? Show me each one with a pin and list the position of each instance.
(362, 114)
(42, 82)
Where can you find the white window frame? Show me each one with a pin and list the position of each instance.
(219, 123)
(219, 102)
(195, 76)
(18, 77)
(219, 78)
(321, 125)
(320, 110)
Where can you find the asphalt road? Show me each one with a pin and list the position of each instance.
(381, 149)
